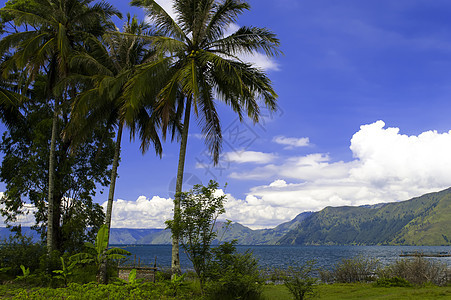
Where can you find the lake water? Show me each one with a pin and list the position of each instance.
(284, 256)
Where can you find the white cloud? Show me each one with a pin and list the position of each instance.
(167, 5)
(25, 219)
(388, 166)
(198, 136)
(291, 143)
(142, 213)
(261, 61)
(248, 157)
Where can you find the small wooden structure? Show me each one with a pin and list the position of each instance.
(146, 273)
(142, 272)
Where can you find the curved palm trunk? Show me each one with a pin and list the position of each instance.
(109, 209)
(51, 237)
(175, 265)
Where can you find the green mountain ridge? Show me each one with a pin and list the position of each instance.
(424, 220)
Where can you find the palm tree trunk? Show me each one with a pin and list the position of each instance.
(175, 265)
(50, 200)
(109, 209)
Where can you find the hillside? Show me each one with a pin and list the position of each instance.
(244, 235)
(424, 220)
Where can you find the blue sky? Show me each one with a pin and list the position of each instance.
(364, 94)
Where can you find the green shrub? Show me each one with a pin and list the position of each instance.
(300, 282)
(233, 275)
(392, 282)
(17, 251)
(274, 275)
(357, 269)
(101, 291)
(418, 271)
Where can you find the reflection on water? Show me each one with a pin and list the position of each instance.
(283, 256)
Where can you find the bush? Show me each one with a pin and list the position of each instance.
(392, 282)
(233, 275)
(418, 271)
(357, 269)
(17, 251)
(300, 282)
(274, 275)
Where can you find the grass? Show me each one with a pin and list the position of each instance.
(363, 291)
(280, 292)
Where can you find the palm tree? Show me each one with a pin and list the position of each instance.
(204, 66)
(54, 30)
(108, 67)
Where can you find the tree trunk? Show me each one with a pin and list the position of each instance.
(175, 265)
(109, 209)
(50, 201)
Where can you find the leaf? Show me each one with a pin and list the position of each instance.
(132, 276)
(101, 239)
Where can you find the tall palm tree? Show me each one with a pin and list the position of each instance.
(204, 66)
(107, 67)
(54, 30)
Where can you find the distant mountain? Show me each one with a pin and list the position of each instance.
(424, 220)
(244, 235)
(131, 236)
(26, 231)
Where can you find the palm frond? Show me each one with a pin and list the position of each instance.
(163, 21)
(224, 14)
(209, 120)
(247, 40)
(28, 18)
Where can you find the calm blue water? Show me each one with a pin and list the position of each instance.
(284, 256)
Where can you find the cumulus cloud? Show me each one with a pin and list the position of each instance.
(142, 213)
(25, 219)
(291, 143)
(388, 166)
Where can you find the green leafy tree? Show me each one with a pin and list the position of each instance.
(199, 210)
(53, 30)
(203, 66)
(24, 169)
(233, 275)
(300, 281)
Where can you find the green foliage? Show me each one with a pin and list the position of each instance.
(100, 291)
(17, 251)
(194, 224)
(233, 275)
(25, 273)
(418, 271)
(357, 269)
(176, 284)
(96, 253)
(392, 282)
(199, 63)
(300, 282)
(65, 272)
(24, 169)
